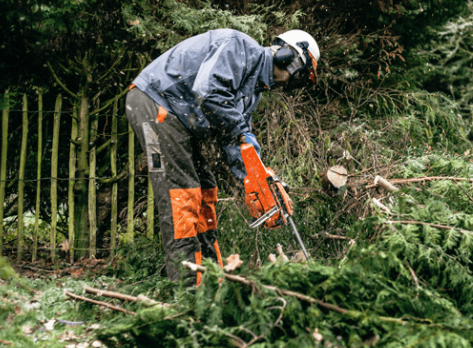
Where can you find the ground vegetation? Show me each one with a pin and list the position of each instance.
(391, 267)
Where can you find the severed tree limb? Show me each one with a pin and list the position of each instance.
(124, 297)
(421, 179)
(382, 182)
(381, 206)
(443, 227)
(243, 280)
(82, 298)
(329, 236)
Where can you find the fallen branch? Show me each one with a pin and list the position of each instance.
(382, 182)
(381, 206)
(85, 299)
(461, 188)
(239, 279)
(329, 236)
(124, 297)
(429, 224)
(198, 268)
(422, 179)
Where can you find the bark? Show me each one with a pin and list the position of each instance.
(422, 179)
(82, 298)
(21, 177)
(81, 221)
(124, 297)
(38, 176)
(54, 170)
(382, 182)
(113, 165)
(72, 175)
(93, 189)
(150, 210)
(3, 167)
(129, 236)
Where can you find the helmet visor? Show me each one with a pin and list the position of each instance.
(302, 77)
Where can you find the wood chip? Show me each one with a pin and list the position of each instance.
(233, 262)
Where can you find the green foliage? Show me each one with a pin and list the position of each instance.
(27, 305)
(402, 284)
(6, 271)
(151, 23)
(447, 64)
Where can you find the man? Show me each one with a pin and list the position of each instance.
(205, 88)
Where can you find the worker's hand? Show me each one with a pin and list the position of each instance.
(249, 138)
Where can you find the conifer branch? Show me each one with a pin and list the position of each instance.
(443, 227)
(197, 268)
(239, 279)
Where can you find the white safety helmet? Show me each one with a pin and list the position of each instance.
(298, 53)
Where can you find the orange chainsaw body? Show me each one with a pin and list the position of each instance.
(264, 191)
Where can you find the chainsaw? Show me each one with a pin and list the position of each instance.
(266, 197)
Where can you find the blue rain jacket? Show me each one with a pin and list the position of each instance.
(212, 82)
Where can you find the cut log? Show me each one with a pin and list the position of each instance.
(335, 178)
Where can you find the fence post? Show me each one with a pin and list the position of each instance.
(81, 219)
(130, 223)
(3, 166)
(92, 184)
(38, 176)
(54, 162)
(21, 178)
(113, 165)
(150, 210)
(71, 182)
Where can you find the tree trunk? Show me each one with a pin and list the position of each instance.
(113, 165)
(21, 178)
(72, 175)
(54, 163)
(130, 228)
(38, 176)
(81, 221)
(3, 166)
(93, 188)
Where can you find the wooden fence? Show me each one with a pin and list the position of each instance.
(53, 178)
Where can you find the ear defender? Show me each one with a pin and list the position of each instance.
(283, 56)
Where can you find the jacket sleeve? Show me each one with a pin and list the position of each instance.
(217, 82)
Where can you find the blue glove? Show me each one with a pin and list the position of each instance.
(251, 139)
(235, 162)
(233, 154)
